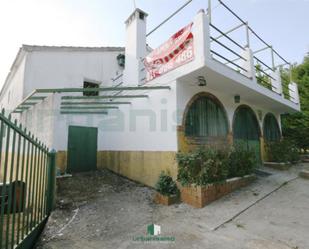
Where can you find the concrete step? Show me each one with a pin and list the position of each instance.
(278, 166)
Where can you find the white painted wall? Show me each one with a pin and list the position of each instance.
(12, 92)
(146, 125)
(39, 120)
(135, 47)
(55, 68)
(61, 68)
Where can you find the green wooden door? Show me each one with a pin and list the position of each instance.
(271, 128)
(82, 149)
(246, 130)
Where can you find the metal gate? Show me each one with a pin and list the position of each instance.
(27, 185)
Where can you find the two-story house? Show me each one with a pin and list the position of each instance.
(132, 109)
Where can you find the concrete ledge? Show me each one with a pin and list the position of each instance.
(304, 174)
(278, 166)
(200, 196)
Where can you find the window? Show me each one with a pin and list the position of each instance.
(206, 118)
(91, 85)
(271, 128)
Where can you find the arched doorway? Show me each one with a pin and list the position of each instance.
(271, 130)
(205, 119)
(246, 130)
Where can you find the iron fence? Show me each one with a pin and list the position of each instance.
(27, 183)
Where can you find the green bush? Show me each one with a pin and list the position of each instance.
(241, 161)
(202, 166)
(166, 185)
(207, 165)
(282, 151)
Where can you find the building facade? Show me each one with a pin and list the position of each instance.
(161, 101)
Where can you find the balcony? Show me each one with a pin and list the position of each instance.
(246, 65)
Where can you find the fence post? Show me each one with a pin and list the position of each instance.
(51, 187)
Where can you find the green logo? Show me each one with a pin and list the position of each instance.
(153, 229)
(153, 235)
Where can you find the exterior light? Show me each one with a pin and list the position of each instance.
(121, 60)
(201, 81)
(236, 99)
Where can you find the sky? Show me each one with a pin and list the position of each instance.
(282, 23)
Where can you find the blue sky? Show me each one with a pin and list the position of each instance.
(284, 24)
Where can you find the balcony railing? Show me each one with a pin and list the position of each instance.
(268, 63)
(246, 53)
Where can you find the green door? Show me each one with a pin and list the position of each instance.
(271, 128)
(82, 149)
(246, 130)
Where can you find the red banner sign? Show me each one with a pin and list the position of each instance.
(175, 52)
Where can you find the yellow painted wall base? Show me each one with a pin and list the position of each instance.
(264, 155)
(61, 160)
(187, 144)
(141, 166)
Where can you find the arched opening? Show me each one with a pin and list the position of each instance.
(205, 118)
(271, 130)
(246, 129)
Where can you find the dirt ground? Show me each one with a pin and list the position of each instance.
(103, 210)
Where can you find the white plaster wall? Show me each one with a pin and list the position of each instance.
(55, 69)
(60, 69)
(39, 120)
(12, 93)
(146, 125)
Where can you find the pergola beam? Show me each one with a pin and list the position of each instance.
(101, 89)
(22, 108)
(28, 104)
(88, 107)
(82, 112)
(96, 103)
(105, 97)
(37, 97)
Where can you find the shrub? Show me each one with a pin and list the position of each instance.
(241, 161)
(205, 166)
(202, 166)
(282, 151)
(166, 185)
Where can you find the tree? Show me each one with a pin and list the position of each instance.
(296, 126)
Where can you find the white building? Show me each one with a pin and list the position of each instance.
(197, 99)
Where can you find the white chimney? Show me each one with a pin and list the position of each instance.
(135, 47)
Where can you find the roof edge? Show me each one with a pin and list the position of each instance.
(31, 48)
